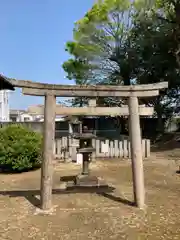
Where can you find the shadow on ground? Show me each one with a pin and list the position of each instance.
(32, 195)
(117, 199)
(106, 194)
(71, 178)
(167, 142)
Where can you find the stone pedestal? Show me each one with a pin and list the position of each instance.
(89, 181)
(85, 164)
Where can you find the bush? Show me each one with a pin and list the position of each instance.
(20, 148)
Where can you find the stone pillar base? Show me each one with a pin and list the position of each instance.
(89, 181)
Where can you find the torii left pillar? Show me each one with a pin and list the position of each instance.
(48, 149)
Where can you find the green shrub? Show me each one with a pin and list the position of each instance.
(20, 148)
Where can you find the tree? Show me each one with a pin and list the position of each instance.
(101, 48)
(168, 11)
(119, 41)
(155, 37)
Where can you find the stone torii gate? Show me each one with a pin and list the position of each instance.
(51, 91)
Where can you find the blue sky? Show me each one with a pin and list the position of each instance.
(33, 37)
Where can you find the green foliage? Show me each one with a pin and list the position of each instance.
(120, 41)
(20, 148)
(154, 35)
(75, 68)
(100, 50)
(99, 41)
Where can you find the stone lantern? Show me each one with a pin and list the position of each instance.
(85, 179)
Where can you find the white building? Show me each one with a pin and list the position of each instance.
(21, 116)
(4, 105)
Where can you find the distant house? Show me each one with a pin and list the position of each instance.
(24, 116)
(20, 116)
(40, 118)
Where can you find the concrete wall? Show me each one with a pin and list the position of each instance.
(108, 128)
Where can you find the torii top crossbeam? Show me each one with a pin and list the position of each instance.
(42, 89)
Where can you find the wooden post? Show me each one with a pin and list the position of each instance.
(48, 144)
(70, 128)
(148, 148)
(73, 145)
(74, 150)
(136, 153)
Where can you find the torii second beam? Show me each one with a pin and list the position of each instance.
(92, 111)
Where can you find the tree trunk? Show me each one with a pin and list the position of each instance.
(159, 110)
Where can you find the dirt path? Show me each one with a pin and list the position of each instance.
(93, 216)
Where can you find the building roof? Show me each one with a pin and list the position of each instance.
(5, 83)
(16, 111)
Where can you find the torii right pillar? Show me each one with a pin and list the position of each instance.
(136, 142)
(136, 153)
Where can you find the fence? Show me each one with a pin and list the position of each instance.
(65, 148)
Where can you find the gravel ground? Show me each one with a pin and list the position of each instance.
(103, 216)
